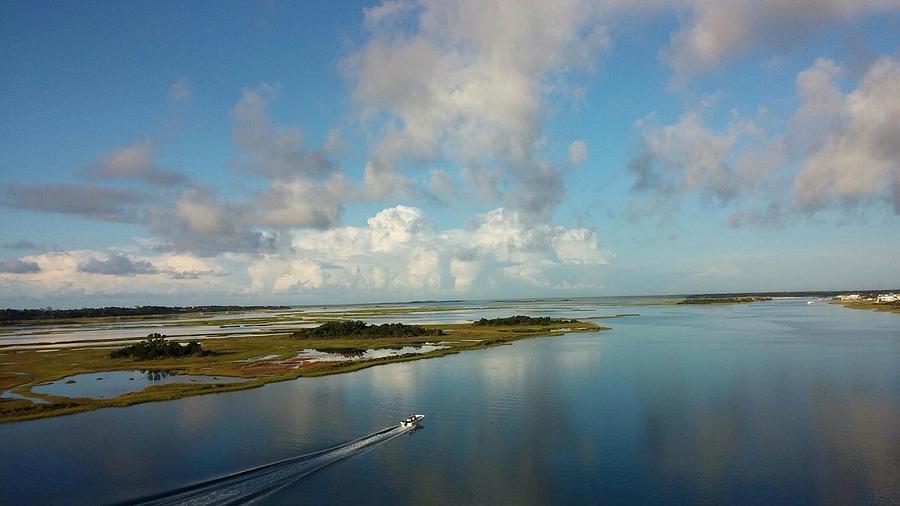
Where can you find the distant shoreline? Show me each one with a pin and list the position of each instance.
(56, 315)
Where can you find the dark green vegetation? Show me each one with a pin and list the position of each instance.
(157, 346)
(723, 300)
(358, 329)
(19, 315)
(517, 320)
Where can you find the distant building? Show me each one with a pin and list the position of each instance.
(888, 297)
(852, 296)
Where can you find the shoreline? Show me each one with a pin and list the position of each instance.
(881, 307)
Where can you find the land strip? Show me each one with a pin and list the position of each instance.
(887, 307)
(261, 359)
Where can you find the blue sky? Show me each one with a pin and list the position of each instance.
(284, 152)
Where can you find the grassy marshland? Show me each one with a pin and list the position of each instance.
(263, 358)
(888, 307)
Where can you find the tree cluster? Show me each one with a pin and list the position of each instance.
(157, 346)
(357, 329)
(512, 321)
(723, 300)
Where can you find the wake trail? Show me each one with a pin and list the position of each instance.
(255, 483)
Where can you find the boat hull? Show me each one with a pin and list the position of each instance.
(411, 421)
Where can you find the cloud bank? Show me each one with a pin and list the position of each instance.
(400, 251)
(841, 150)
(444, 81)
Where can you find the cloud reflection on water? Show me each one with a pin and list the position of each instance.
(676, 406)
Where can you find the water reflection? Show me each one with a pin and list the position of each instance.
(860, 437)
(765, 404)
(311, 356)
(9, 394)
(111, 384)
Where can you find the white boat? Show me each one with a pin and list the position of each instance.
(411, 421)
(810, 302)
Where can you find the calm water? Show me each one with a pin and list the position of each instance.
(777, 402)
(370, 354)
(110, 384)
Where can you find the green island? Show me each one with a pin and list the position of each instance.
(259, 358)
(723, 300)
(519, 320)
(157, 346)
(358, 329)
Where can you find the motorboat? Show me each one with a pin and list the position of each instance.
(411, 421)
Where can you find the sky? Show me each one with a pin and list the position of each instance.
(271, 152)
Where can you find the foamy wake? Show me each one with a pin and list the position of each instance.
(252, 484)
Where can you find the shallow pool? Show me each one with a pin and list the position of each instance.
(110, 384)
(311, 355)
(9, 394)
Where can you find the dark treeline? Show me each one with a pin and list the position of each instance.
(357, 329)
(722, 300)
(157, 346)
(520, 320)
(14, 315)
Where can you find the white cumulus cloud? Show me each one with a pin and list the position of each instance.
(857, 158)
(841, 150)
(399, 251)
(463, 86)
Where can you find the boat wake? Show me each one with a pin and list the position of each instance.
(253, 484)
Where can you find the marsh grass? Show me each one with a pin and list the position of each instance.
(231, 358)
(887, 307)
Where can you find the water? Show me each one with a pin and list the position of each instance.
(26, 336)
(777, 402)
(110, 384)
(87, 333)
(253, 484)
(310, 355)
(8, 394)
